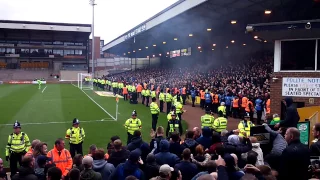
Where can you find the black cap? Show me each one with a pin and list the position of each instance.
(76, 121)
(16, 124)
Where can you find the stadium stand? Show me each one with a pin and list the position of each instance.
(198, 154)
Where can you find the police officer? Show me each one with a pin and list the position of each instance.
(76, 136)
(174, 125)
(207, 119)
(220, 123)
(179, 109)
(245, 125)
(147, 95)
(169, 101)
(161, 99)
(17, 146)
(131, 125)
(154, 109)
(223, 108)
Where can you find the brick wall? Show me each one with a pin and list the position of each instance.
(276, 90)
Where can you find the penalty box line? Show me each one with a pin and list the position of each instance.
(96, 103)
(61, 122)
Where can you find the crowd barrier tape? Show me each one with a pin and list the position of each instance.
(26, 82)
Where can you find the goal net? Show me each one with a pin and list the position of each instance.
(85, 81)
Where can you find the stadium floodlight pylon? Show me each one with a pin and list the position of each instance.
(85, 81)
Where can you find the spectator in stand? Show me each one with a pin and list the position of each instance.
(278, 145)
(175, 146)
(315, 147)
(164, 156)
(129, 168)
(176, 175)
(156, 137)
(110, 145)
(205, 140)
(92, 148)
(210, 167)
(88, 173)
(101, 165)
(77, 162)
(119, 154)
(151, 168)
(201, 158)
(165, 173)
(186, 167)
(33, 145)
(237, 147)
(295, 159)
(233, 172)
(252, 157)
(197, 132)
(256, 148)
(74, 174)
(54, 173)
(3, 173)
(43, 166)
(26, 171)
(216, 140)
(292, 116)
(138, 143)
(189, 142)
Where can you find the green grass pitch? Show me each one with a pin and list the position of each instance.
(46, 114)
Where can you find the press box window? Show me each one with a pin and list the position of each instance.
(298, 55)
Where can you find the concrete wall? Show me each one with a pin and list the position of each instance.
(70, 75)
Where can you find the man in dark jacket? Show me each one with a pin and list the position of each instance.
(129, 168)
(164, 156)
(189, 142)
(137, 142)
(186, 167)
(175, 146)
(26, 171)
(295, 159)
(119, 154)
(315, 147)
(205, 139)
(151, 168)
(292, 116)
(156, 138)
(100, 165)
(88, 173)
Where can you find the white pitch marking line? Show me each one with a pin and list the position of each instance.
(61, 122)
(95, 102)
(44, 89)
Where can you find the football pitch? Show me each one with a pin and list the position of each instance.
(48, 112)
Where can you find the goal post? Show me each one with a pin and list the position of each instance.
(85, 81)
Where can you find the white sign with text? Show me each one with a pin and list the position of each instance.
(301, 87)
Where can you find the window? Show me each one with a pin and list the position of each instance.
(2, 50)
(78, 52)
(58, 52)
(10, 50)
(68, 52)
(298, 55)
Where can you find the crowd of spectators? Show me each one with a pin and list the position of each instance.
(216, 156)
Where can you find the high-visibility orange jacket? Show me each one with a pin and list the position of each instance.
(235, 103)
(125, 90)
(268, 106)
(249, 107)
(202, 95)
(244, 102)
(62, 161)
(29, 153)
(139, 88)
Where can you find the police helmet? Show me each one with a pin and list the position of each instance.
(246, 115)
(173, 108)
(75, 121)
(134, 113)
(173, 113)
(222, 103)
(16, 124)
(208, 110)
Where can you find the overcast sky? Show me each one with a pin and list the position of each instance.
(112, 17)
